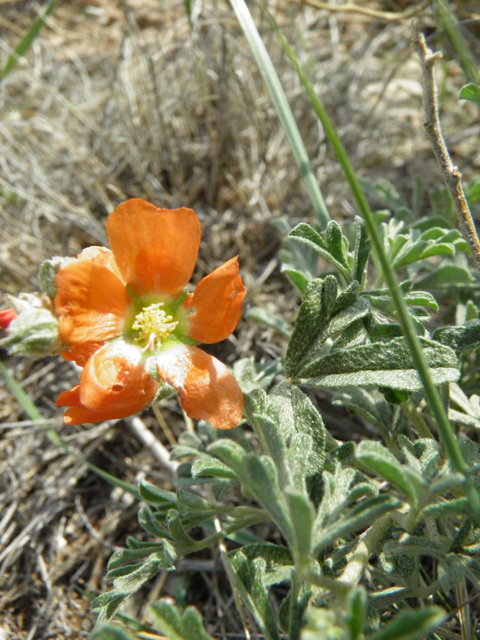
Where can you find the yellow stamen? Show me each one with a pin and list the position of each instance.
(153, 325)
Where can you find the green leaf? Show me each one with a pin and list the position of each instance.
(251, 375)
(369, 404)
(466, 338)
(305, 234)
(362, 250)
(335, 242)
(156, 495)
(309, 322)
(260, 476)
(356, 613)
(106, 605)
(302, 515)
(362, 515)
(345, 318)
(177, 626)
(470, 92)
(249, 576)
(211, 468)
(447, 276)
(111, 632)
(387, 364)
(347, 297)
(307, 420)
(379, 460)
(270, 319)
(27, 41)
(279, 561)
(411, 625)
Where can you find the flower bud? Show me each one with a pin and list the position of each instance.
(34, 331)
(6, 317)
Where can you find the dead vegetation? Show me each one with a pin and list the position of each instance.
(123, 99)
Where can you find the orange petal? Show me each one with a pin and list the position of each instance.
(217, 304)
(91, 302)
(206, 388)
(80, 353)
(69, 398)
(114, 384)
(155, 249)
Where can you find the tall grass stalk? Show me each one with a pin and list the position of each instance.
(27, 41)
(283, 108)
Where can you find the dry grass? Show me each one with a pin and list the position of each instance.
(118, 100)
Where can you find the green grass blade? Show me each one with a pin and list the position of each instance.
(282, 107)
(449, 19)
(33, 413)
(430, 390)
(27, 41)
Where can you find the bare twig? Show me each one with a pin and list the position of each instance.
(450, 173)
(350, 7)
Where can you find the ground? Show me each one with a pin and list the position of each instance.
(129, 99)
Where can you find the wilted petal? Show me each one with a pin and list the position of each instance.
(206, 388)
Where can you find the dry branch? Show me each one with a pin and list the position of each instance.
(450, 173)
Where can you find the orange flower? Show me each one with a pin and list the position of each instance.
(125, 312)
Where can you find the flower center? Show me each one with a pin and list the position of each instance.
(153, 325)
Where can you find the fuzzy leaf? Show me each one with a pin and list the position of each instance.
(302, 515)
(379, 460)
(368, 404)
(305, 234)
(335, 242)
(177, 626)
(410, 625)
(446, 276)
(309, 322)
(362, 250)
(466, 338)
(387, 364)
(357, 612)
(111, 632)
(249, 580)
(211, 468)
(279, 561)
(362, 515)
(260, 476)
(156, 495)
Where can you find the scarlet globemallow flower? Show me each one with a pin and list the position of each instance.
(130, 322)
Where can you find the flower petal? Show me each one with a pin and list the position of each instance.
(155, 249)
(6, 316)
(217, 304)
(80, 353)
(91, 302)
(206, 388)
(115, 383)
